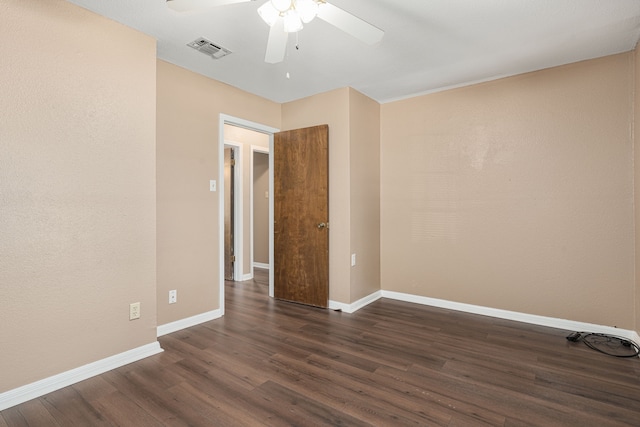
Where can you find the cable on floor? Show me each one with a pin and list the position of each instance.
(610, 345)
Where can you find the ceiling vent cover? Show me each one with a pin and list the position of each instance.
(208, 48)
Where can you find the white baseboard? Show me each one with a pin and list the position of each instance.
(352, 308)
(551, 322)
(40, 388)
(246, 277)
(261, 265)
(178, 325)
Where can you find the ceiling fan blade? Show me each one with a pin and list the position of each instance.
(277, 44)
(350, 24)
(193, 5)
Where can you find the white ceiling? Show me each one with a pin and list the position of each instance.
(428, 45)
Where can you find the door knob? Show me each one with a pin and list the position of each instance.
(321, 226)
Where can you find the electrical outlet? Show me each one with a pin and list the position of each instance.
(353, 260)
(173, 296)
(134, 311)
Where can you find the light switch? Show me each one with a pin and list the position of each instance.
(212, 185)
(266, 194)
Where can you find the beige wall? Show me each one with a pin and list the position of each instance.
(636, 151)
(515, 194)
(188, 110)
(77, 189)
(260, 207)
(246, 138)
(364, 158)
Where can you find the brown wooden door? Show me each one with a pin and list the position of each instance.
(229, 213)
(301, 214)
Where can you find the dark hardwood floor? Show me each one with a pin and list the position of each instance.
(390, 364)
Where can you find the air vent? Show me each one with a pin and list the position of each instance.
(208, 48)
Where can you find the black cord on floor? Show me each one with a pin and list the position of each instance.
(607, 344)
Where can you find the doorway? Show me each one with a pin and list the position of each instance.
(303, 141)
(241, 245)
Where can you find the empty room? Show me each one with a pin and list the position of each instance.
(309, 212)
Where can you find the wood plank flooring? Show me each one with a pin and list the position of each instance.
(392, 363)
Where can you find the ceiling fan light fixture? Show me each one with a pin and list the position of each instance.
(292, 22)
(282, 5)
(307, 9)
(268, 13)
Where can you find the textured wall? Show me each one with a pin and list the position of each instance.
(260, 207)
(77, 189)
(188, 111)
(636, 152)
(364, 158)
(515, 194)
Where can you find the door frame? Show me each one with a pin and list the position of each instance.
(257, 127)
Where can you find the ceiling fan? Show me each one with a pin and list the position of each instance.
(288, 16)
